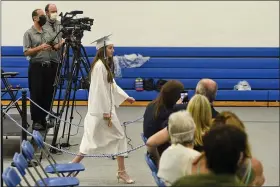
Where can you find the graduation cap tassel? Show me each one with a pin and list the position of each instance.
(105, 57)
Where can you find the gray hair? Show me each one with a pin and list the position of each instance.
(181, 127)
(208, 88)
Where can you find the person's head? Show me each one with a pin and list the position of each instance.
(169, 94)
(39, 17)
(200, 110)
(105, 54)
(181, 128)
(104, 47)
(227, 117)
(208, 88)
(51, 12)
(224, 148)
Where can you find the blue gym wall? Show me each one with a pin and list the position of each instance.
(225, 41)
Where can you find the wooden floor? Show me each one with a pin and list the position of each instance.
(216, 103)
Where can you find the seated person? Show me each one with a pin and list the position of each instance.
(250, 171)
(159, 110)
(224, 148)
(176, 160)
(200, 110)
(206, 87)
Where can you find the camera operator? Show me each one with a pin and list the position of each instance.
(53, 26)
(41, 72)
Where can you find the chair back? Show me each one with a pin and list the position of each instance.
(5, 177)
(27, 150)
(20, 163)
(38, 139)
(151, 163)
(143, 138)
(158, 181)
(10, 177)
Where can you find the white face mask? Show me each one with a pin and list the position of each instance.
(53, 16)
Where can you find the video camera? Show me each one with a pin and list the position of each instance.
(78, 25)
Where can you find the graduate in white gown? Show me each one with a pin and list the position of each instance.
(103, 132)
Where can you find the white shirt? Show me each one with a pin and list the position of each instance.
(176, 162)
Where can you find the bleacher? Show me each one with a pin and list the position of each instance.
(227, 66)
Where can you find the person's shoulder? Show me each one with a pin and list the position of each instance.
(29, 30)
(99, 64)
(207, 180)
(167, 152)
(47, 30)
(214, 112)
(193, 153)
(177, 149)
(191, 180)
(150, 106)
(149, 109)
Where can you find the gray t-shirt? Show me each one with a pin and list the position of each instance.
(53, 28)
(33, 38)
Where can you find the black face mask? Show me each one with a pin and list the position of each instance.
(42, 20)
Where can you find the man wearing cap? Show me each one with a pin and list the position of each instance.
(103, 132)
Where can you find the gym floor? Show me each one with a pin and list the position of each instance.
(262, 125)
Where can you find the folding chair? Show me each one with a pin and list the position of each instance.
(8, 89)
(28, 153)
(151, 163)
(143, 138)
(158, 181)
(11, 178)
(55, 167)
(21, 164)
(148, 159)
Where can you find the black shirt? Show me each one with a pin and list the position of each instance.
(152, 125)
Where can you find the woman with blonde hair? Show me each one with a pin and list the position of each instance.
(200, 110)
(250, 170)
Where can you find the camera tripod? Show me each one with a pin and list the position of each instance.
(69, 73)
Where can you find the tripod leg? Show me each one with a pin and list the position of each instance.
(72, 77)
(84, 79)
(78, 69)
(73, 80)
(87, 66)
(68, 90)
(60, 80)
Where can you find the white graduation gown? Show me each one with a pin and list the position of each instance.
(98, 137)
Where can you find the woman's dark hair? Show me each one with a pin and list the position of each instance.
(223, 146)
(170, 93)
(108, 63)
